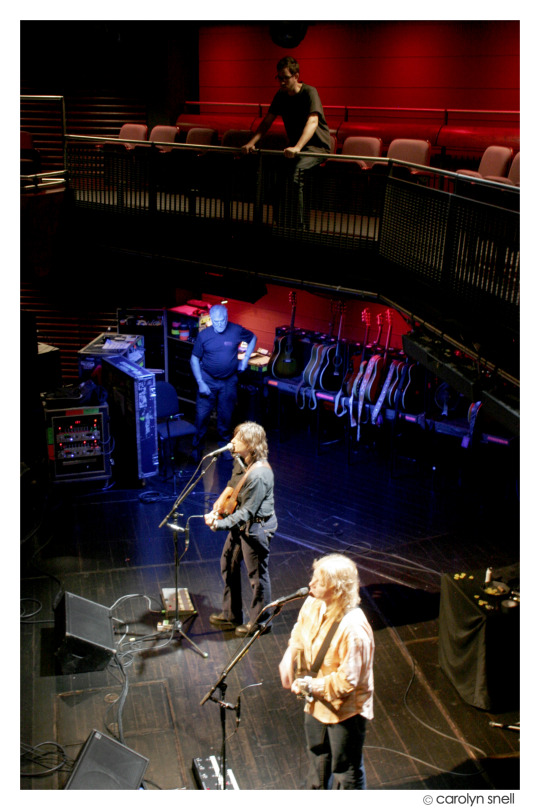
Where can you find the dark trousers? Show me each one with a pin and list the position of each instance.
(335, 755)
(252, 545)
(290, 210)
(222, 397)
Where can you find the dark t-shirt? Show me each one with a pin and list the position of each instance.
(218, 353)
(295, 111)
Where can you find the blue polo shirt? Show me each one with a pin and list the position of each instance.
(218, 353)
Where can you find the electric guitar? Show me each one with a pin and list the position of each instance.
(310, 377)
(372, 388)
(351, 380)
(357, 364)
(284, 362)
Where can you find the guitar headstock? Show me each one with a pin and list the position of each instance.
(366, 316)
(292, 298)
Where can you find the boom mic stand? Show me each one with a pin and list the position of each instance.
(222, 686)
(177, 626)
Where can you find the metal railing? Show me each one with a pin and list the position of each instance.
(452, 238)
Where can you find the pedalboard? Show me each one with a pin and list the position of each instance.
(185, 605)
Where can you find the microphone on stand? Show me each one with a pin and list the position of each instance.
(220, 450)
(301, 592)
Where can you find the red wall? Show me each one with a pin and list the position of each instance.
(313, 312)
(410, 63)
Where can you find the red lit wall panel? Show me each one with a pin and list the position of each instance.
(464, 64)
(313, 312)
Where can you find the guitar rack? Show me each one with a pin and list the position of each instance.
(458, 428)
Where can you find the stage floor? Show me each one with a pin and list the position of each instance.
(405, 519)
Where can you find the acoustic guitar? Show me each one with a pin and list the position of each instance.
(412, 398)
(284, 361)
(228, 500)
(333, 370)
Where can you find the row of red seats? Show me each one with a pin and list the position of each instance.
(496, 162)
(462, 134)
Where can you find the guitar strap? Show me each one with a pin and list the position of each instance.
(240, 484)
(354, 386)
(317, 664)
(378, 405)
(473, 414)
(362, 393)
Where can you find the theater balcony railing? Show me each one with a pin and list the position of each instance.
(441, 246)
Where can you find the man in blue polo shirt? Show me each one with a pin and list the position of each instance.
(215, 366)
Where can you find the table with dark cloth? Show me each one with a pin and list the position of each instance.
(478, 640)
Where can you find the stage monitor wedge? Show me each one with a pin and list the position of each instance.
(106, 764)
(84, 634)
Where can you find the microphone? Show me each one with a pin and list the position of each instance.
(296, 595)
(220, 450)
(238, 708)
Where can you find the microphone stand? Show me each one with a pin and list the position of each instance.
(177, 626)
(222, 686)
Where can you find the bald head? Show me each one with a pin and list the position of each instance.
(219, 317)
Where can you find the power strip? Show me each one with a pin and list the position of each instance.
(207, 773)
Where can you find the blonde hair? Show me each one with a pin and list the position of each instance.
(254, 437)
(340, 574)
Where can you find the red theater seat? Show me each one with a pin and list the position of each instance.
(391, 124)
(202, 135)
(364, 146)
(409, 150)
(236, 137)
(164, 134)
(30, 157)
(221, 122)
(513, 174)
(133, 132)
(495, 162)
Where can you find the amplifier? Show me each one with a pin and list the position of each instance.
(460, 373)
(132, 402)
(78, 443)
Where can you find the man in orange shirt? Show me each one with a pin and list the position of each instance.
(338, 688)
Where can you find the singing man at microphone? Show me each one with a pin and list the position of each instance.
(332, 645)
(246, 509)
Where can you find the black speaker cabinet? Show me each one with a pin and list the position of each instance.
(106, 764)
(84, 634)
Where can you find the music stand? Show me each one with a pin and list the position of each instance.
(177, 625)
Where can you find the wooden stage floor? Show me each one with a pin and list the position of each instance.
(405, 520)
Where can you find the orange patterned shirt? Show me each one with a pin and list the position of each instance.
(343, 686)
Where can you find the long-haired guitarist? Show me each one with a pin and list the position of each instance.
(335, 638)
(246, 509)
